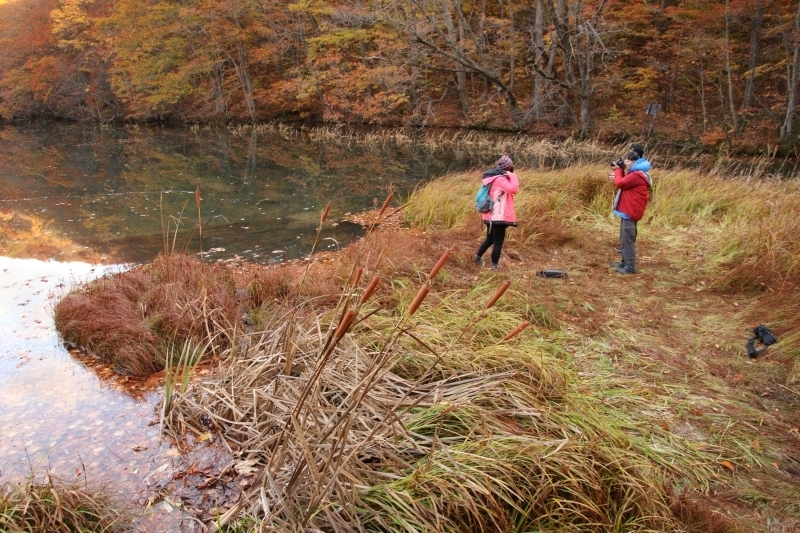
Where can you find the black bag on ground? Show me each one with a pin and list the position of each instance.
(763, 335)
(552, 273)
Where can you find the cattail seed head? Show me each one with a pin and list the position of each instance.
(438, 266)
(197, 197)
(516, 330)
(344, 325)
(498, 294)
(359, 272)
(386, 204)
(373, 284)
(325, 213)
(423, 292)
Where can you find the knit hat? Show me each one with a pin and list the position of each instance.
(504, 163)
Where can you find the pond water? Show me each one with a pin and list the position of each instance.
(78, 201)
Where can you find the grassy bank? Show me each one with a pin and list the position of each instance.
(626, 404)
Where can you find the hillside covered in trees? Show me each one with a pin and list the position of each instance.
(725, 72)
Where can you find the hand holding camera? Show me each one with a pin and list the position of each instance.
(619, 163)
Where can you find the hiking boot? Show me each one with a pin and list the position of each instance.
(478, 259)
(618, 264)
(495, 266)
(625, 270)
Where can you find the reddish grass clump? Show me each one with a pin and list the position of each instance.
(130, 319)
(286, 284)
(271, 283)
(698, 516)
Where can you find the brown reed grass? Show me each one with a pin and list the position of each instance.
(129, 319)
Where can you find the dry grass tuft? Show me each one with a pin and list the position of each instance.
(271, 284)
(765, 249)
(130, 319)
(44, 507)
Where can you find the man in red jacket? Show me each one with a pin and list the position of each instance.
(633, 193)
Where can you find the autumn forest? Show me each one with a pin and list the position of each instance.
(724, 72)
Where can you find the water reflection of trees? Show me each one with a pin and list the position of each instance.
(102, 187)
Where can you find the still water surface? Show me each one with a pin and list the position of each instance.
(74, 197)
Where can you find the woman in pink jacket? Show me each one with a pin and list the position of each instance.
(504, 185)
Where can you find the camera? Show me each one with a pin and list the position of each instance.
(618, 163)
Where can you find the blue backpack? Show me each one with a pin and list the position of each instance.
(484, 202)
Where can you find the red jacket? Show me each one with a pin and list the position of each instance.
(634, 193)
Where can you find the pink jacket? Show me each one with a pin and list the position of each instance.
(502, 192)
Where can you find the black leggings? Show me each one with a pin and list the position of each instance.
(495, 235)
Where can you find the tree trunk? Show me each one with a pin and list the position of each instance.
(731, 104)
(511, 46)
(702, 90)
(482, 35)
(791, 81)
(538, 44)
(755, 52)
(461, 75)
(726, 129)
(561, 23)
(585, 70)
(544, 63)
(243, 73)
(220, 107)
(580, 43)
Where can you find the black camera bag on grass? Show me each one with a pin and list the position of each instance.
(763, 335)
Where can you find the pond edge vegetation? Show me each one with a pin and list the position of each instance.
(353, 416)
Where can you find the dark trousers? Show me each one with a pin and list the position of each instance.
(627, 240)
(495, 235)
